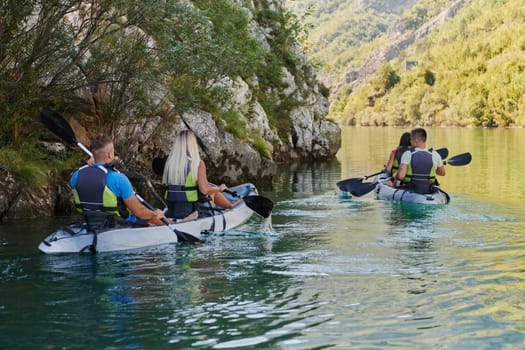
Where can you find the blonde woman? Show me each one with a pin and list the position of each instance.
(186, 180)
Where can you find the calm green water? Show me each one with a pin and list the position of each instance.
(337, 273)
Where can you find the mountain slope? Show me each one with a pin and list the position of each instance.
(344, 33)
(468, 72)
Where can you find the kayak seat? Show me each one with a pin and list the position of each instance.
(206, 210)
(179, 210)
(98, 221)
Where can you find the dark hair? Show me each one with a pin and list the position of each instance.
(419, 133)
(404, 141)
(99, 142)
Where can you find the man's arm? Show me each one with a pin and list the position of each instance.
(141, 211)
(440, 166)
(440, 170)
(122, 187)
(402, 171)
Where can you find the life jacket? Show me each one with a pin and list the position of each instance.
(421, 172)
(92, 194)
(182, 200)
(187, 193)
(397, 158)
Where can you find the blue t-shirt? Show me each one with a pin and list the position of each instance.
(117, 182)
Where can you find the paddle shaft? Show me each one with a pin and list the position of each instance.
(181, 236)
(84, 148)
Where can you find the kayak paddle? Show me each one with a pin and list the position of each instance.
(181, 235)
(443, 152)
(157, 164)
(366, 187)
(60, 127)
(460, 159)
(259, 204)
(346, 185)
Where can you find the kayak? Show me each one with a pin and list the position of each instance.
(75, 238)
(397, 194)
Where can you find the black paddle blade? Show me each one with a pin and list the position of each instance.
(181, 235)
(57, 125)
(363, 188)
(157, 164)
(443, 152)
(346, 185)
(259, 204)
(460, 159)
(186, 237)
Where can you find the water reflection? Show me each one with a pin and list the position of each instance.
(228, 292)
(301, 179)
(403, 213)
(112, 293)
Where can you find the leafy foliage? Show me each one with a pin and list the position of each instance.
(386, 78)
(122, 59)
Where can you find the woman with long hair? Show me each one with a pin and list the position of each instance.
(186, 180)
(395, 156)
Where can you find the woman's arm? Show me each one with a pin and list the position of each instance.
(204, 185)
(390, 162)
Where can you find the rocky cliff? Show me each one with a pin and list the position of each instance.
(230, 158)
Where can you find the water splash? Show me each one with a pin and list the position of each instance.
(266, 226)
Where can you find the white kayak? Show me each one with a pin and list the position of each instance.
(75, 238)
(399, 194)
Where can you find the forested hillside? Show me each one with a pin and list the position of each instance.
(343, 33)
(465, 66)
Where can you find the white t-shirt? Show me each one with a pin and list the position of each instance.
(436, 158)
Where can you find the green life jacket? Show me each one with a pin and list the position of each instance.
(397, 158)
(92, 194)
(421, 172)
(182, 200)
(187, 193)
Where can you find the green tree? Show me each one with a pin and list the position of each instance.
(386, 77)
(430, 78)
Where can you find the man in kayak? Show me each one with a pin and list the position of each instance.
(419, 166)
(99, 189)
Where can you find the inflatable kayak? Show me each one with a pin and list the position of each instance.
(75, 238)
(399, 194)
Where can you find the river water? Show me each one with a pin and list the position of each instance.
(332, 272)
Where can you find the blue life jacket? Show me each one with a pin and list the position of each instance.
(92, 194)
(421, 172)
